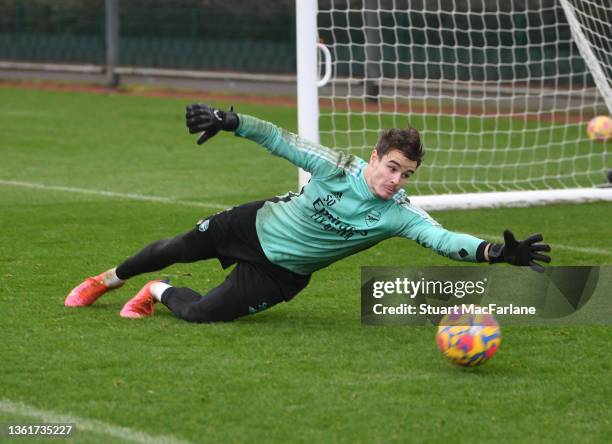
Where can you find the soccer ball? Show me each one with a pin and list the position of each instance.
(600, 128)
(468, 339)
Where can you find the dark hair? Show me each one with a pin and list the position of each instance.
(407, 141)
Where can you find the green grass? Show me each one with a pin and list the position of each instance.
(306, 371)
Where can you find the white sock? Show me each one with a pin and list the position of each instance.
(110, 278)
(157, 289)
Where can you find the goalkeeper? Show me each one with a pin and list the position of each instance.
(349, 205)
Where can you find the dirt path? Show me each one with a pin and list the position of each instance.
(354, 105)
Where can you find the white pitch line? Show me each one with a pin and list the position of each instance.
(131, 196)
(85, 424)
(560, 246)
(169, 200)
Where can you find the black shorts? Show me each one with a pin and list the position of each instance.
(255, 283)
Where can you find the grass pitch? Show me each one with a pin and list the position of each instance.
(306, 371)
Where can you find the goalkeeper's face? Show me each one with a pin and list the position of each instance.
(386, 174)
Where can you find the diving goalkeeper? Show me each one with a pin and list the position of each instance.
(349, 205)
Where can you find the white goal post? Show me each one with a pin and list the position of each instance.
(501, 91)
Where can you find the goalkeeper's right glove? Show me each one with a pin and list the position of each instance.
(520, 253)
(209, 121)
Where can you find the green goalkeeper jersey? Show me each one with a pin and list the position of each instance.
(336, 214)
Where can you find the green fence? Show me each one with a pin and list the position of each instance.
(221, 54)
(179, 34)
(259, 37)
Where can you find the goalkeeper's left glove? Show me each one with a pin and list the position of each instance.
(520, 252)
(209, 121)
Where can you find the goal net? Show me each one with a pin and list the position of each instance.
(501, 90)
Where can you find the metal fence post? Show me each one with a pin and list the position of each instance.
(373, 48)
(112, 42)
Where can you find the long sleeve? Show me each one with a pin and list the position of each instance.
(420, 227)
(314, 158)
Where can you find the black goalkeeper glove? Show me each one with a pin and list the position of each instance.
(520, 252)
(209, 121)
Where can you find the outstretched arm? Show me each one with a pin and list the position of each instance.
(303, 153)
(420, 227)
